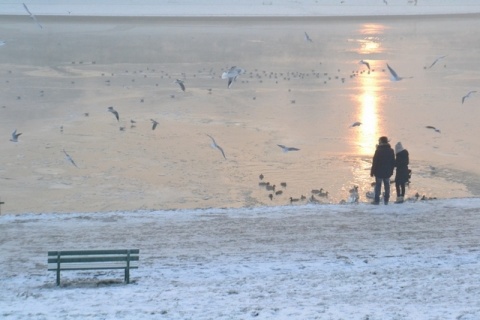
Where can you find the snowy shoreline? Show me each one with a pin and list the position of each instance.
(410, 261)
(234, 8)
(421, 206)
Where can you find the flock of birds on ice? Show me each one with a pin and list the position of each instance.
(319, 196)
(231, 75)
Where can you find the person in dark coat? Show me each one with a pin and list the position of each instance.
(382, 169)
(402, 174)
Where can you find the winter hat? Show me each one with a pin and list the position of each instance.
(383, 140)
(398, 147)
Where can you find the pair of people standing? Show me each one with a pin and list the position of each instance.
(383, 164)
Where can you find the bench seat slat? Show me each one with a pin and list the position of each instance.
(72, 259)
(92, 252)
(82, 266)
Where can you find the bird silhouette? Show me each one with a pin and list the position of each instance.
(433, 128)
(356, 124)
(154, 124)
(181, 84)
(67, 156)
(32, 16)
(307, 37)
(215, 145)
(112, 110)
(435, 61)
(287, 149)
(467, 95)
(366, 63)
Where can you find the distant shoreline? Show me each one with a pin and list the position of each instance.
(241, 9)
(226, 19)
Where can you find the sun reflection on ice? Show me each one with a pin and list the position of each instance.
(368, 114)
(371, 42)
(369, 99)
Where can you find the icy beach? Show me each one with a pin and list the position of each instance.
(60, 82)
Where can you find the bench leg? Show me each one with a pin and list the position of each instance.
(58, 269)
(127, 275)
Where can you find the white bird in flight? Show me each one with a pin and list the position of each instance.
(216, 146)
(467, 95)
(67, 156)
(232, 74)
(15, 136)
(395, 76)
(32, 16)
(287, 149)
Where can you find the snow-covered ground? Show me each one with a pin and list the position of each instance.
(418, 260)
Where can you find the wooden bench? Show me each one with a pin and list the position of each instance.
(93, 260)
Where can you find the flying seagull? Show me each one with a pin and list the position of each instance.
(307, 37)
(436, 60)
(32, 16)
(180, 83)
(356, 124)
(286, 149)
(365, 63)
(154, 124)
(215, 145)
(232, 74)
(395, 76)
(15, 136)
(433, 128)
(110, 109)
(67, 156)
(467, 95)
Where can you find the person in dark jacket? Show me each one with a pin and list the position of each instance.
(402, 173)
(382, 169)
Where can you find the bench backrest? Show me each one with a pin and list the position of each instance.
(93, 259)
